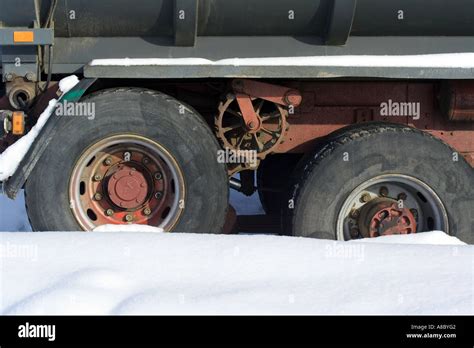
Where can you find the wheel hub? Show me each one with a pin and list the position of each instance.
(383, 216)
(126, 179)
(127, 187)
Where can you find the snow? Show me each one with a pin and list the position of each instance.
(442, 60)
(165, 273)
(128, 228)
(68, 83)
(433, 238)
(10, 159)
(137, 272)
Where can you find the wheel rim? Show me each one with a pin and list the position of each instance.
(126, 179)
(391, 204)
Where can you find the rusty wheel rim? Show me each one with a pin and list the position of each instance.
(391, 204)
(125, 179)
(232, 132)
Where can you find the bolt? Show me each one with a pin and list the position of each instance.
(415, 213)
(402, 196)
(128, 217)
(97, 196)
(365, 198)
(30, 76)
(147, 211)
(109, 212)
(97, 177)
(158, 195)
(383, 191)
(158, 176)
(108, 161)
(355, 214)
(146, 160)
(354, 232)
(9, 77)
(251, 125)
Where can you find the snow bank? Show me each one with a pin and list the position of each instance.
(163, 273)
(434, 238)
(10, 159)
(443, 60)
(128, 228)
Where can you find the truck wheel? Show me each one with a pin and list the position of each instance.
(145, 158)
(272, 177)
(380, 179)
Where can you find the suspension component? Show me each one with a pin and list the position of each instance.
(254, 119)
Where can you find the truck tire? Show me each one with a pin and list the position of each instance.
(378, 179)
(144, 158)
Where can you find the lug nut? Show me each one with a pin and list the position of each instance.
(146, 160)
(158, 176)
(354, 232)
(147, 211)
(30, 76)
(158, 195)
(415, 214)
(108, 161)
(383, 191)
(355, 214)
(97, 196)
(365, 198)
(128, 217)
(402, 196)
(97, 177)
(109, 212)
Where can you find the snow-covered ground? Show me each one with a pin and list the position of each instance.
(151, 273)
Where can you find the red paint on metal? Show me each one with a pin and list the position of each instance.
(251, 120)
(127, 188)
(390, 219)
(273, 93)
(329, 106)
(457, 100)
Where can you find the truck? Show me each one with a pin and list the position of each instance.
(350, 118)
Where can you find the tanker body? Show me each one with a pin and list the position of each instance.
(350, 118)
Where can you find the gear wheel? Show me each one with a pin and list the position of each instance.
(233, 135)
